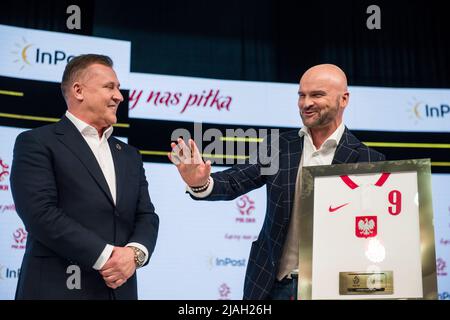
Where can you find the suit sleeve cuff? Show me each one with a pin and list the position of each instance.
(139, 246)
(202, 194)
(104, 256)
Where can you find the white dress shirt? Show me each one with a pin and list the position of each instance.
(100, 148)
(324, 155)
(311, 156)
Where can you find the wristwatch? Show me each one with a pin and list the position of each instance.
(139, 256)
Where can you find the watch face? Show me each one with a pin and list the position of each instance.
(140, 256)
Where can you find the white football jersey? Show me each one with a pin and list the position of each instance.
(366, 223)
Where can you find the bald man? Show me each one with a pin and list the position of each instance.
(272, 269)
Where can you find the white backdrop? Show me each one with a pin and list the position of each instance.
(12, 241)
(42, 55)
(203, 247)
(275, 104)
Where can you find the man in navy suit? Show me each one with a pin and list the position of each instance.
(82, 195)
(272, 269)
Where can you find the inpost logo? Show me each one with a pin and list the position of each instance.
(225, 262)
(420, 111)
(27, 54)
(8, 273)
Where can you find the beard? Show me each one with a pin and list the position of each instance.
(322, 117)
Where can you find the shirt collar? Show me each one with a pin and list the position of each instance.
(331, 141)
(86, 129)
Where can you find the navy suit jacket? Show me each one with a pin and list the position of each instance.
(240, 179)
(65, 203)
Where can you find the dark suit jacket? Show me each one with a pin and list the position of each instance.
(64, 201)
(240, 179)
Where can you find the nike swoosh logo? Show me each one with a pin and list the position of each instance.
(330, 209)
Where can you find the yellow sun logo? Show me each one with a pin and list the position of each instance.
(414, 110)
(21, 53)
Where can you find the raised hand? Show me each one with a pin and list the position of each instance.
(194, 171)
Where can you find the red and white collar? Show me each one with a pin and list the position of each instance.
(353, 185)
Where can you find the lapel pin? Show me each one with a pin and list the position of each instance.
(118, 147)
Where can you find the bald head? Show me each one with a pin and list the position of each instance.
(326, 74)
(323, 97)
